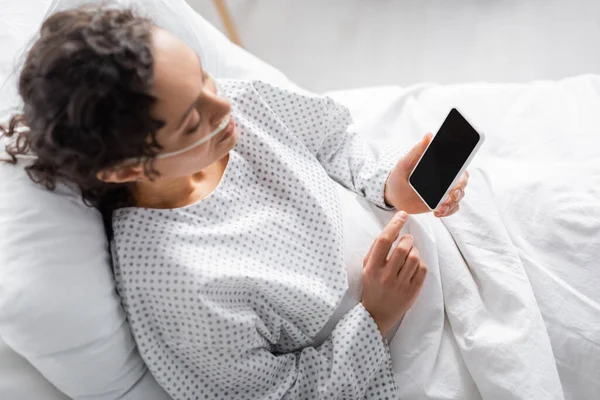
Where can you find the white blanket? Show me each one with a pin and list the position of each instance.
(477, 323)
(525, 245)
(476, 330)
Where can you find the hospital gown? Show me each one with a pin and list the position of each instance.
(225, 296)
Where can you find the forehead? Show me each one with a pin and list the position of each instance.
(177, 72)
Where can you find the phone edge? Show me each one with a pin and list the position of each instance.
(459, 174)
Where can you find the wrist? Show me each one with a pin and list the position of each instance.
(387, 194)
(383, 325)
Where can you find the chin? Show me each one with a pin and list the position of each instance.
(230, 141)
(223, 148)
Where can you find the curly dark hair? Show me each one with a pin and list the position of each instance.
(86, 87)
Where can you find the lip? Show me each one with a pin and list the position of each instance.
(228, 131)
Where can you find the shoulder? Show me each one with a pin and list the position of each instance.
(134, 218)
(263, 89)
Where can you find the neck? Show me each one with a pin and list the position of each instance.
(179, 192)
(170, 193)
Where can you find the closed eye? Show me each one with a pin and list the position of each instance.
(193, 129)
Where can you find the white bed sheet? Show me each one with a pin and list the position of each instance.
(541, 163)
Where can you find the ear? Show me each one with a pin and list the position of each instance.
(121, 174)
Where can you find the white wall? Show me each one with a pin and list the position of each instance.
(331, 44)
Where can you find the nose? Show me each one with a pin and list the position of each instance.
(218, 108)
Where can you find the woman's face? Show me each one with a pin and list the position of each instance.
(188, 103)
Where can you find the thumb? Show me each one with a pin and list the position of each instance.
(410, 159)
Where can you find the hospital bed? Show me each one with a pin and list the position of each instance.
(537, 185)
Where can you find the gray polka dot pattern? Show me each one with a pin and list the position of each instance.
(225, 296)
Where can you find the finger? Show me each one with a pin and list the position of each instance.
(465, 176)
(368, 256)
(453, 211)
(458, 192)
(398, 257)
(383, 243)
(419, 277)
(445, 208)
(411, 158)
(464, 180)
(410, 265)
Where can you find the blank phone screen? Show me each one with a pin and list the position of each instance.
(444, 158)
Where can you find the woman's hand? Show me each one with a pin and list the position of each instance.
(399, 193)
(390, 286)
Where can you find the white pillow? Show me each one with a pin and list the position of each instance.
(220, 57)
(19, 380)
(58, 306)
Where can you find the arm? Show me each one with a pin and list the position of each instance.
(243, 365)
(322, 125)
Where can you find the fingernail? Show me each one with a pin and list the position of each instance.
(458, 194)
(444, 210)
(401, 215)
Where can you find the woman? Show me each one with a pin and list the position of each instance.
(220, 201)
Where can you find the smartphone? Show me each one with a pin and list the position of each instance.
(445, 159)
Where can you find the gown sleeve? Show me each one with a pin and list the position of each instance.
(322, 125)
(232, 356)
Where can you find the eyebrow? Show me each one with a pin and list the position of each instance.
(191, 107)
